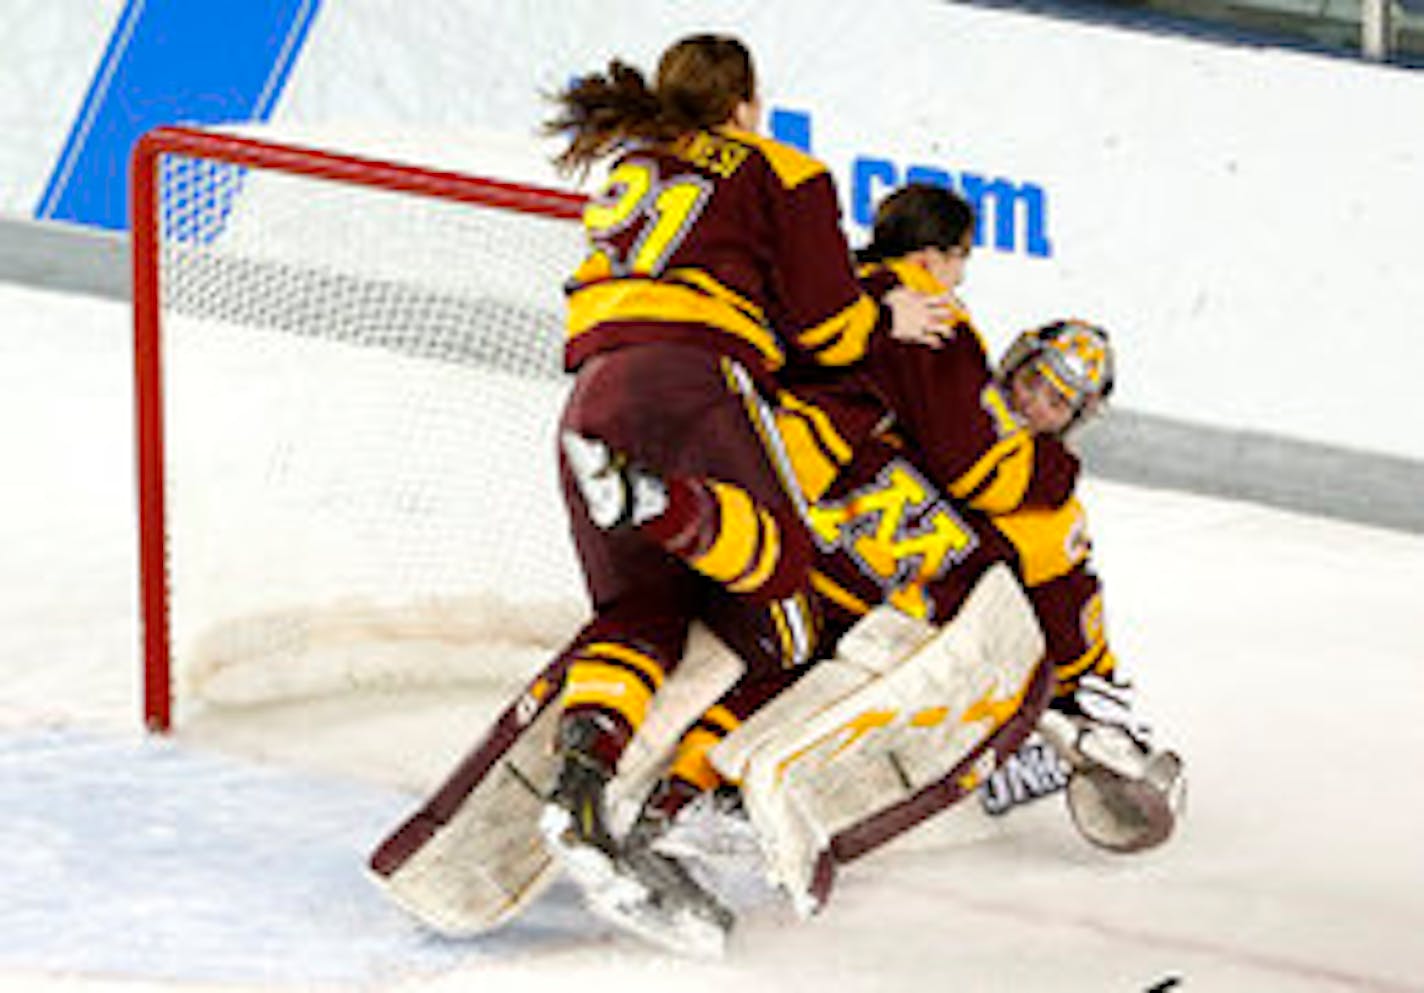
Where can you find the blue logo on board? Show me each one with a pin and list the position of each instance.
(1012, 214)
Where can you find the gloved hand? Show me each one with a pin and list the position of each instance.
(1123, 794)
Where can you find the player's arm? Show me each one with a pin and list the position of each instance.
(958, 419)
(1125, 792)
(828, 318)
(826, 315)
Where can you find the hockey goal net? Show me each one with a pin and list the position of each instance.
(347, 376)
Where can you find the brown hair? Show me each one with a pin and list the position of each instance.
(918, 215)
(701, 80)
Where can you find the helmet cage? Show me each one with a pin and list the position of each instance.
(1075, 357)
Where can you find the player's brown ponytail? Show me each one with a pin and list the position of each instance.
(701, 80)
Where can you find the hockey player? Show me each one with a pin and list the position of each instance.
(450, 864)
(868, 447)
(716, 256)
(886, 536)
(1123, 795)
(939, 415)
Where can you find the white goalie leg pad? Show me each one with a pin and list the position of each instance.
(474, 857)
(876, 644)
(465, 871)
(894, 712)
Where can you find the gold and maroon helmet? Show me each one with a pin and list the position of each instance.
(1074, 356)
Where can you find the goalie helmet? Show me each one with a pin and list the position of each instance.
(1075, 357)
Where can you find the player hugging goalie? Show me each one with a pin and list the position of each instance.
(880, 530)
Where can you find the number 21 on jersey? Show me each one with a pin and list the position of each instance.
(637, 221)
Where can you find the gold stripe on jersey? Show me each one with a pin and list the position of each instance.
(826, 433)
(837, 594)
(796, 627)
(713, 287)
(608, 687)
(791, 165)
(844, 337)
(816, 450)
(632, 658)
(691, 761)
(790, 653)
(1106, 665)
(628, 300)
(744, 551)
(814, 471)
(1049, 542)
(997, 482)
(917, 277)
(595, 268)
(1097, 659)
(764, 423)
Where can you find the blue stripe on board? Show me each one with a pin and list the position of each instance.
(170, 62)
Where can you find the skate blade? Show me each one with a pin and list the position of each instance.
(625, 901)
(592, 869)
(676, 929)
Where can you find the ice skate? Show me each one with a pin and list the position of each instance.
(674, 911)
(573, 820)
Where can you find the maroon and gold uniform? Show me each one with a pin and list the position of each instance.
(714, 261)
(907, 464)
(724, 240)
(879, 450)
(944, 403)
(1053, 548)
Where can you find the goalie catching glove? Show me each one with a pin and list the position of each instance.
(1123, 795)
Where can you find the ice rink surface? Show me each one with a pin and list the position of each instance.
(1283, 656)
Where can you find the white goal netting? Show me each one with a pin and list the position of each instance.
(359, 394)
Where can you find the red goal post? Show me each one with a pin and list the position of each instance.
(244, 245)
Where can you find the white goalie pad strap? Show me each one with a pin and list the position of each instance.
(871, 731)
(472, 857)
(883, 639)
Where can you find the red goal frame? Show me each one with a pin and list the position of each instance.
(145, 227)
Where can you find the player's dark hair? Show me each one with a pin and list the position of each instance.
(917, 215)
(700, 81)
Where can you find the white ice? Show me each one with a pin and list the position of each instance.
(1282, 654)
